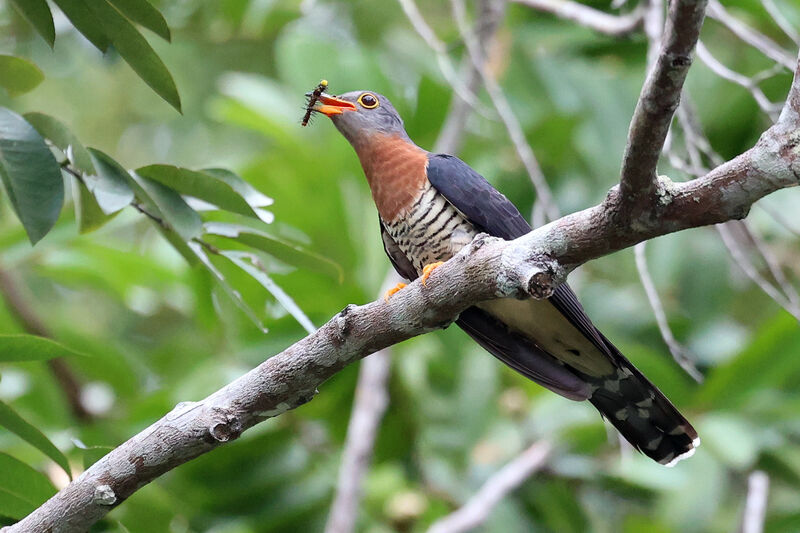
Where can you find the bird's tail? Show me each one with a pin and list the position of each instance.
(642, 414)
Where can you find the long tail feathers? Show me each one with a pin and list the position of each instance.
(643, 415)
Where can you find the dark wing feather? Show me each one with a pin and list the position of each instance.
(493, 213)
(399, 260)
(470, 193)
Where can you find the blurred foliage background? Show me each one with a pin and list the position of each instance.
(156, 331)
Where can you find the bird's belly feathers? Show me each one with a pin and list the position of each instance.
(430, 230)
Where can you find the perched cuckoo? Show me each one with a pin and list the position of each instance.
(432, 205)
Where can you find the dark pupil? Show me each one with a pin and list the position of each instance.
(368, 100)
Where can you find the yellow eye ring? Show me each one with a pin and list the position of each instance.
(368, 101)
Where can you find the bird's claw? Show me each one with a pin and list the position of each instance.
(393, 290)
(428, 269)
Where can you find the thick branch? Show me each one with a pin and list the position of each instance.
(659, 100)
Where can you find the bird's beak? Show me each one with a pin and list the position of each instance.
(329, 105)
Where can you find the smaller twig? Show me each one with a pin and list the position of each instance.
(507, 116)
(679, 353)
(782, 22)
(370, 403)
(757, 40)
(588, 17)
(440, 49)
(452, 134)
(478, 508)
(755, 505)
(772, 263)
(740, 258)
(32, 323)
(779, 218)
(772, 109)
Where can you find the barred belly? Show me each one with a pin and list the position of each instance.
(430, 230)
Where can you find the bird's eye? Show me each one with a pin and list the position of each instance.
(368, 101)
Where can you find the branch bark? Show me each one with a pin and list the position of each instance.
(659, 99)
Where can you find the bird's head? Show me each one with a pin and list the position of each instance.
(359, 115)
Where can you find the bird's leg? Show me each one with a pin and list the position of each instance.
(393, 290)
(428, 269)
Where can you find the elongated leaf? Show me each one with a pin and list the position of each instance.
(88, 212)
(30, 174)
(136, 51)
(85, 22)
(21, 347)
(13, 505)
(203, 185)
(244, 261)
(171, 207)
(233, 293)
(143, 13)
(10, 420)
(18, 76)
(110, 184)
(279, 248)
(250, 194)
(23, 481)
(56, 132)
(91, 454)
(38, 14)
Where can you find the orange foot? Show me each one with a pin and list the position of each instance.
(393, 290)
(428, 269)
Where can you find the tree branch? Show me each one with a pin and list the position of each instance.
(501, 104)
(475, 512)
(588, 17)
(658, 101)
(368, 407)
(32, 323)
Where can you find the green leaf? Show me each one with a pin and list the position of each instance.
(88, 212)
(170, 207)
(91, 454)
(31, 175)
(143, 13)
(110, 184)
(22, 347)
(85, 22)
(206, 186)
(56, 132)
(277, 247)
(768, 362)
(251, 195)
(18, 76)
(14, 506)
(233, 293)
(24, 482)
(10, 420)
(38, 14)
(136, 51)
(248, 262)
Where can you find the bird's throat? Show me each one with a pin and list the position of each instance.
(396, 172)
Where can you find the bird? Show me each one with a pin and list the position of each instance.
(429, 207)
